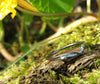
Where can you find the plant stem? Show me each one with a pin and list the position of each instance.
(98, 3)
(61, 22)
(52, 26)
(27, 34)
(43, 28)
(21, 32)
(1, 31)
(88, 6)
(53, 15)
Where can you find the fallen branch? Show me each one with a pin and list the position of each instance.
(74, 64)
(68, 68)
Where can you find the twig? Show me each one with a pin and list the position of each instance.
(6, 54)
(71, 27)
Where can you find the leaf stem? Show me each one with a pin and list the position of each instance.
(61, 23)
(53, 15)
(52, 26)
(43, 28)
(27, 35)
(1, 31)
(21, 32)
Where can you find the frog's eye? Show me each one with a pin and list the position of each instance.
(65, 55)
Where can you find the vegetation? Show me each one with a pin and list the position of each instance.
(37, 31)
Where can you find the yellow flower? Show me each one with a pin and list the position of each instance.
(6, 7)
(26, 5)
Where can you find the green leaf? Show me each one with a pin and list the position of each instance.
(25, 48)
(28, 19)
(53, 6)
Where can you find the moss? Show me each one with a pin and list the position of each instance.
(97, 63)
(16, 81)
(74, 80)
(88, 33)
(94, 77)
(53, 74)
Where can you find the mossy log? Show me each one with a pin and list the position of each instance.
(36, 69)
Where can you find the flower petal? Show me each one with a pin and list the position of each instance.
(6, 7)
